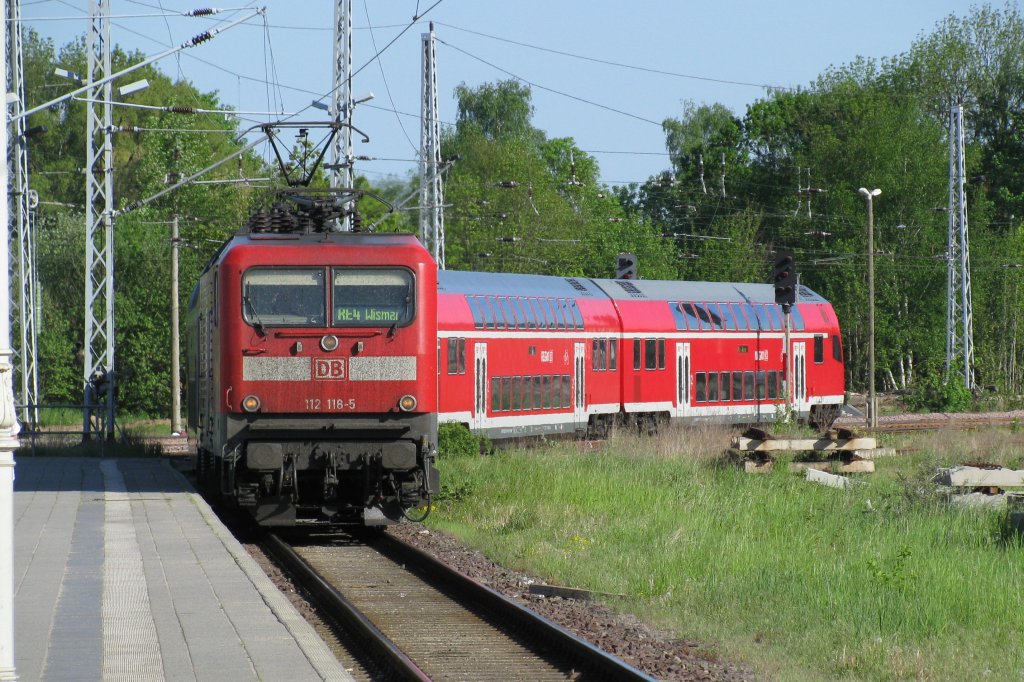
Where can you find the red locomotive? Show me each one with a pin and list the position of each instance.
(312, 375)
(527, 355)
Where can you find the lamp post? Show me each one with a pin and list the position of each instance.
(872, 420)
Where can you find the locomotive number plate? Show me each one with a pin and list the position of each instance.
(331, 404)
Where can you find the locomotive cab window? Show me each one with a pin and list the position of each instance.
(277, 297)
(373, 297)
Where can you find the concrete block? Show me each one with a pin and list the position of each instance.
(973, 477)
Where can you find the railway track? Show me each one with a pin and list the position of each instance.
(935, 420)
(422, 620)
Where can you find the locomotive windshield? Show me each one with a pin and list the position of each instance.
(291, 297)
(372, 297)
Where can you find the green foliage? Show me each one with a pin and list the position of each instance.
(455, 440)
(937, 393)
(866, 583)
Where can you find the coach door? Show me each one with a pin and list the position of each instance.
(683, 388)
(479, 385)
(800, 377)
(579, 408)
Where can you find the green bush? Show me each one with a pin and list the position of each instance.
(455, 440)
(934, 393)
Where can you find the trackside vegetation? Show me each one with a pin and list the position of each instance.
(883, 581)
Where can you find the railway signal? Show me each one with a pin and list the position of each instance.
(626, 267)
(784, 278)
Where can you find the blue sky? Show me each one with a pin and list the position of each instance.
(780, 43)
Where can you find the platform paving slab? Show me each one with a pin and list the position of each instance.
(123, 572)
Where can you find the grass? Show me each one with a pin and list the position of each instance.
(882, 581)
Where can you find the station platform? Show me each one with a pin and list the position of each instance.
(123, 572)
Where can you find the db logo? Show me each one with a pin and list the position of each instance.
(333, 368)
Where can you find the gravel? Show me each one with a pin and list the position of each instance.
(653, 651)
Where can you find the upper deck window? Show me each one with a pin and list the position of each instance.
(284, 297)
(373, 297)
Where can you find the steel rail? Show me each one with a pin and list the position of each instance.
(344, 611)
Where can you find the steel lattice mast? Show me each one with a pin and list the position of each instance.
(431, 192)
(22, 234)
(959, 313)
(341, 103)
(99, 236)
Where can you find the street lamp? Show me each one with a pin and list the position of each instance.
(872, 411)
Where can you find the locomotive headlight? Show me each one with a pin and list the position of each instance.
(251, 403)
(407, 403)
(329, 343)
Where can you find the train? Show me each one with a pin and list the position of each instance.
(319, 364)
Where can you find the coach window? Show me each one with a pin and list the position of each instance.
(520, 313)
(761, 384)
(477, 312)
(819, 349)
(661, 353)
(726, 385)
(762, 316)
(837, 349)
(716, 316)
(577, 316)
(636, 354)
(741, 320)
(506, 393)
(372, 297)
(508, 312)
(650, 354)
(737, 385)
(293, 297)
(453, 355)
(488, 311)
(566, 390)
(613, 354)
(563, 321)
(775, 314)
(796, 318)
(495, 394)
(713, 387)
(728, 319)
(538, 392)
(701, 383)
(531, 314)
(773, 385)
(517, 393)
(691, 315)
(748, 385)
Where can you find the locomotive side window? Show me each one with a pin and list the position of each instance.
(819, 349)
(373, 297)
(837, 349)
(661, 353)
(636, 354)
(613, 354)
(284, 296)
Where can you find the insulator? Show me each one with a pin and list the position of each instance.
(180, 110)
(203, 12)
(199, 39)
